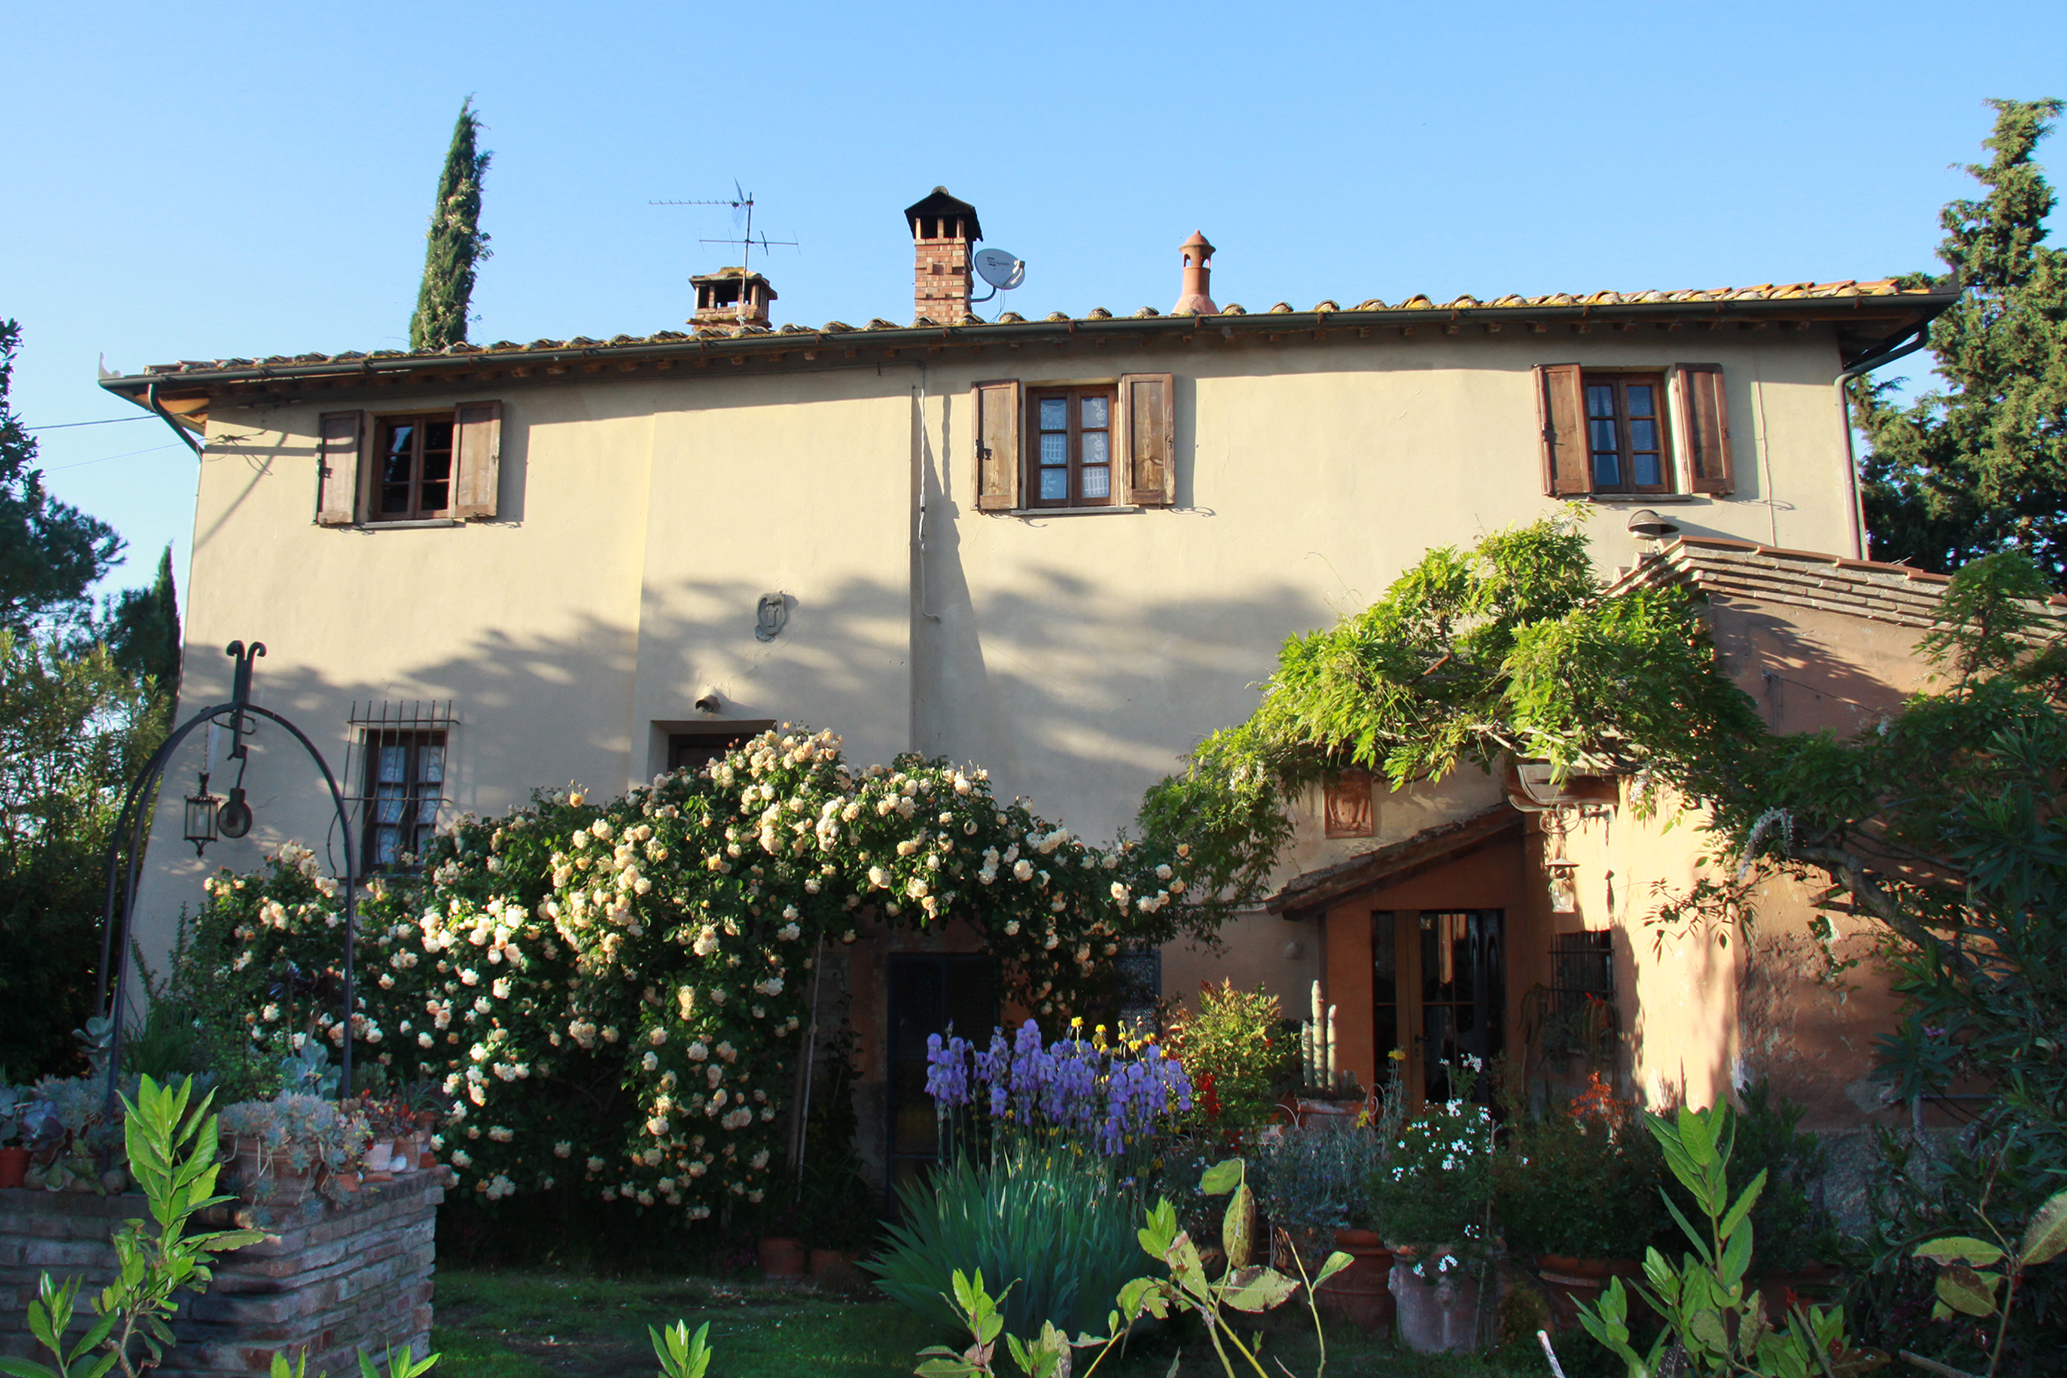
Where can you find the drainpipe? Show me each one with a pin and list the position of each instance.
(185, 435)
(1914, 342)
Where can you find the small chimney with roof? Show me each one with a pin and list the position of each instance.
(942, 229)
(1196, 296)
(718, 298)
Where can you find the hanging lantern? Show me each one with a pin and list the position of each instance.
(200, 816)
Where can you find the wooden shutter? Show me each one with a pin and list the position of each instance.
(1704, 428)
(477, 450)
(340, 441)
(1146, 427)
(997, 445)
(1561, 403)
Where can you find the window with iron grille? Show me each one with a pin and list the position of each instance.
(404, 786)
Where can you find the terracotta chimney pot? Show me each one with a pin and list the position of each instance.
(1196, 297)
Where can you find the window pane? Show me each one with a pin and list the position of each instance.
(1054, 484)
(386, 848)
(1600, 399)
(1097, 447)
(1646, 468)
(1097, 481)
(1054, 413)
(1640, 400)
(1607, 470)
(391, 765)
(1094, 412)
(430, 762)
(1054, 448)
(1601, 435)
(1643, 433)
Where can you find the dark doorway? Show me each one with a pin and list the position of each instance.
(1439, 992)
(1463, 996)
(929, 994)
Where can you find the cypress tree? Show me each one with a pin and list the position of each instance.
(1982, 465)
(143, 630)
(456, 242)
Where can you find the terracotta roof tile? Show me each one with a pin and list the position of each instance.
(1796, 291)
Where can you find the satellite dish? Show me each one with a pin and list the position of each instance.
(1000, 269)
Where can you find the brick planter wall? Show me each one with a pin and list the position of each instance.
(334, 1280)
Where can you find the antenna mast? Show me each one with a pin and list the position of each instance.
(742, 203)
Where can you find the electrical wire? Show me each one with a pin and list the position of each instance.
(67, 425)
(126, 454)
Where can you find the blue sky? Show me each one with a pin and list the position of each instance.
(206, 180)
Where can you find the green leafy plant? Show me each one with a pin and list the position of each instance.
(172, 1152)
(1055, 1225)
(1979, 1277)
(681, 1354)
(1243, 1286)
(1709, 1311)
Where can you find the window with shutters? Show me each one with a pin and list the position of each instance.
(405, 784)
(1080, 446)
(1610, 432)
(427, 466)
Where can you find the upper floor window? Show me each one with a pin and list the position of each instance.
(1625, 432)
(414, 461)
(1612, 431)
(1079, 446)
(429, 466)
(1072, 451)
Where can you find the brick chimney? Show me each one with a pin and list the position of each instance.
(1196, 296)
(942, 229)
(718, 298)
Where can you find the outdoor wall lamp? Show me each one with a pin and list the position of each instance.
(234, 817)
(200, 819)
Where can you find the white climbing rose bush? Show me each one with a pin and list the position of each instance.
(614, 996)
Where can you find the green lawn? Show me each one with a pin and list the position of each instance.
(555, 1325)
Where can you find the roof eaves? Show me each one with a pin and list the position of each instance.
(1272, 326)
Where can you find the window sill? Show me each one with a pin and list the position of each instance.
(1072, 511)
(425, 524)
(1649, 499)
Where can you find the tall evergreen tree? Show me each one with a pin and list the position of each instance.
(143, 631)
(50, 551)
(456, 241)
(1982, 465)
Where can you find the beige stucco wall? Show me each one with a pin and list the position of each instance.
(1077, 657)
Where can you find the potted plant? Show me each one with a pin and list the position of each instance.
(1313, 1184)
(1432, 1201)
(1578, 1190)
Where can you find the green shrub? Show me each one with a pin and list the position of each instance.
(1315, 1181)
(1238, 1057)
(1582, 1181)
(1055, 1225)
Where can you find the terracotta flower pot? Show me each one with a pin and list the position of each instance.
(270, 1179)
(14, 1165)
(1360, 1294)
(833, 1268)
(783, 1257)
(1569, 1281)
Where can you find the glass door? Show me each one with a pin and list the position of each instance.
(1439, 992)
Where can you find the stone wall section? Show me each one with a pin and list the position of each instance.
(333, 1279)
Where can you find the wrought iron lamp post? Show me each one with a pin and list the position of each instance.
(205, 820)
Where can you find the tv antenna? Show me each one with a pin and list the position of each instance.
(742, 204)
(998, 268)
